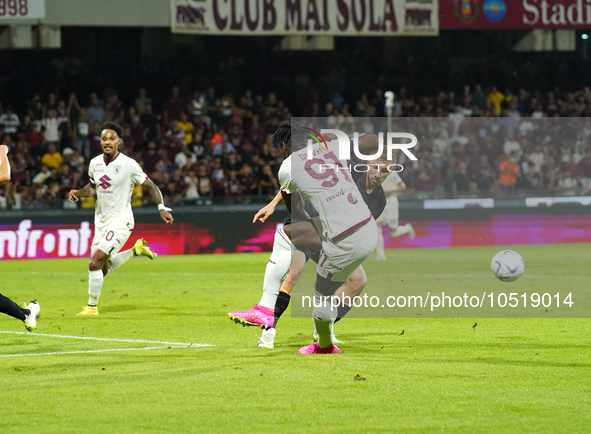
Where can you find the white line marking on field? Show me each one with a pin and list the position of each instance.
(90, 338)
(527, 276)
(87, 351)
(119, 273)
(199, 273)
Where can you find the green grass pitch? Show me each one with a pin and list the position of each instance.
(440, 375)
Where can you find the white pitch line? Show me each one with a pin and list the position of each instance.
(90, 338)
(527, 276)
(454, 275)
(86, 351)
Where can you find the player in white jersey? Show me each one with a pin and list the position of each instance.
(393, 186)
(112, 178)
(346, 226)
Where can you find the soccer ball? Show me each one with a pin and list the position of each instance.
(507, 265)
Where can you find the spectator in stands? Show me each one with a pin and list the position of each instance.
(20, 164)
(585, 168)
(257, 133)
(94, 140)
(51, 124)
(142, 100)
(150, 121)
(233, 187)
(462, 185)
(185, 158)
(52, 196)
(82, 130)
(268, 184)
(548, 171)
(217, 175)
(224, 147)
(192, 182)
(173, 106)
(509, 171)
(511, 144)
(35, 107)
(247, 180)
(10, 120)
(537, 158)
(151, 157)
(187, 127)
(496, 98)
(425, 179)
(138, 132)
(95, 113)
(65, 179)
(204, 187)
(52, 158)
(231, 162)
(197, 106)
(448, 174)
(171, 195)
(37, 201)
(197, 146)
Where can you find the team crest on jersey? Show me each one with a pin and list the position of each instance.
(116, 169)
(352, 198)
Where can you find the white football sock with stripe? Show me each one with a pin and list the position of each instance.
(324, 316)
(277, 268)
(95, 285)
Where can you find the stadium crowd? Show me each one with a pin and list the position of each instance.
(207, 147)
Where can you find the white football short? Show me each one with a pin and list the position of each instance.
(390, 217)
(338, 261)
(111, 237)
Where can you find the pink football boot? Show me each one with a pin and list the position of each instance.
(314, 348)
(257, 316)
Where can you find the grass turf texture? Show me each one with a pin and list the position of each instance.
(440, 375)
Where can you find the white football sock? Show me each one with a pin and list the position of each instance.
(324, 316)
(277, 268)
(380, 247)
(400, 230)
(119, 259)
(95, 285)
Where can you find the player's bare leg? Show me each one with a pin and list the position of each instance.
(140, 248)
(262, 314)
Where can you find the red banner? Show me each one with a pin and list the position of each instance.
(514, 14)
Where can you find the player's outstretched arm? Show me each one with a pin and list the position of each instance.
(4, 165)
(157, 196)
(267, 211)
(86, 191)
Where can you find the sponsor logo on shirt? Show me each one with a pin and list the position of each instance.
(104, 182)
